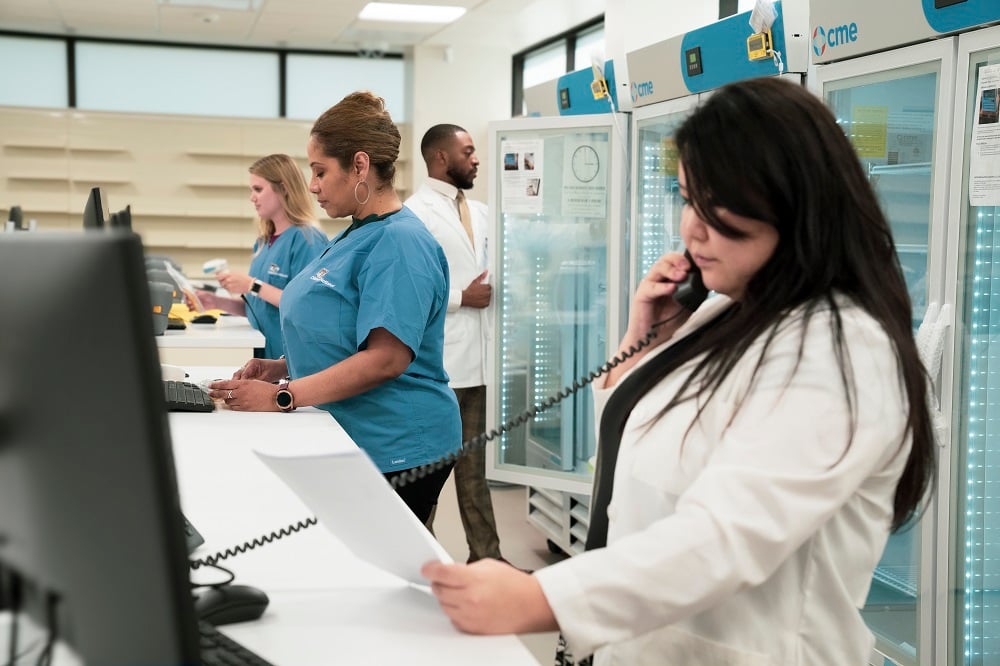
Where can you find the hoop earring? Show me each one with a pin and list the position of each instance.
(368, 192)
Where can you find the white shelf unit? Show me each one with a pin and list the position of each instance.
(185, 177)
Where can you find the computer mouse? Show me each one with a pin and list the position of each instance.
(204, 319)
(227, 604)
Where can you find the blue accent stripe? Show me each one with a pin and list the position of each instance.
(966, 14)
(581, 99)
(724, 52)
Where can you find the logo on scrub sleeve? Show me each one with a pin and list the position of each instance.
(320, 276)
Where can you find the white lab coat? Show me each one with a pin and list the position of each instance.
(466, 330)
(752, 544)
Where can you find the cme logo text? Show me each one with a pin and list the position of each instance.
(833, 37)
(643, 89)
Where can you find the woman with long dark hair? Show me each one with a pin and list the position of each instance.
(760, 450)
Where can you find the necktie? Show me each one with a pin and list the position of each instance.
(464, 215)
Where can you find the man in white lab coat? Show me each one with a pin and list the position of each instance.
(460, 225)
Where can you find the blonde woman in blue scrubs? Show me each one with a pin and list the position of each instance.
(363, 324)
(288, 238)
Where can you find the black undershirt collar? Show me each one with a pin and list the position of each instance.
(356, 223)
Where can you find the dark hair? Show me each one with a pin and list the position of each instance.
(435, 138)
(360, 122)
(800, 173)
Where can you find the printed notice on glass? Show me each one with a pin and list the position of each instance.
(869, 127)
(984, 158)
(521, 178)
(585, 189)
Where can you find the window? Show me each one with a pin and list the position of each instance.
(145, 77)
(589, 44)
(317, 82)
(730, 7)
(44, 82)
(545, 64)
(548, 60)
(168, 79)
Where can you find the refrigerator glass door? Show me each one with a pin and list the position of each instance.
(976, 512)
(892, 116)
(657, 206)
(558, 206)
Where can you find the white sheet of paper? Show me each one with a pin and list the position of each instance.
(352, 499)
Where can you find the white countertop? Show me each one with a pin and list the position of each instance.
(230, 335)
(327, 606)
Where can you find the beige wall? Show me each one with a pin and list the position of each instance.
(468, 86)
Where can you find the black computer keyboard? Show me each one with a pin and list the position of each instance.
(217, 649)
(186, 397)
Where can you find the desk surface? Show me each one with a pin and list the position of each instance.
(242, 336)
(327, 606)
(210, 344)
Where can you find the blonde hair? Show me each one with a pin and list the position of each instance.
(286, 178)
(360, 123)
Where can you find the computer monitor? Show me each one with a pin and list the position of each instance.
(17, 217)
(122, 219)
(90, 512)
(95, 213)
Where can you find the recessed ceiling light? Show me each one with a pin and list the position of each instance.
(229, 5)
(399, 13)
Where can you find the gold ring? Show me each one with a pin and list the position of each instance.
(230, 396)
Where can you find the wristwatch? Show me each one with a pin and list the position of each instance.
(255, 287)
(284, 398)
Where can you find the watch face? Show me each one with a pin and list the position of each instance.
(585, 164)
(283, 398)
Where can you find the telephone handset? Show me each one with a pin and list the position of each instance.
(691, 292)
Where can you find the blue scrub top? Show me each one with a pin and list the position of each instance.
(275, 264)
(392, 274)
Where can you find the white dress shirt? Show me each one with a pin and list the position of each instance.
(752, 540)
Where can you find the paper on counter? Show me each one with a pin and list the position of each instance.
(352, 499)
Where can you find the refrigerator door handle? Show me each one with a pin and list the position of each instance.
(930, 341)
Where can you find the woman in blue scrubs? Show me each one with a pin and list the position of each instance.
(363, 324)
(288, 238)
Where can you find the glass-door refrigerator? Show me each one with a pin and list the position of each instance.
(895, 107)
(973, 592)
(657, 204)
(558, 199)
(920, 118)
